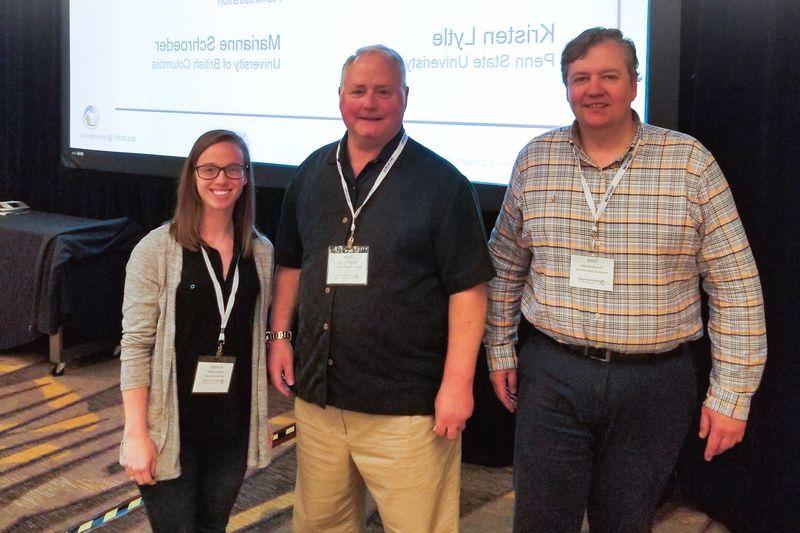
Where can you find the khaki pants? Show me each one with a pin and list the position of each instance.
(413, 475)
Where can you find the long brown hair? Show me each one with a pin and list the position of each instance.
(185, 225)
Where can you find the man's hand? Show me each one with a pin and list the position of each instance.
(454, 404)
(466, 319)
(140, 459)
(280, 365)
(504, 383)
(723, 432)
(280, 354)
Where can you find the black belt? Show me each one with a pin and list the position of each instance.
(607, 355)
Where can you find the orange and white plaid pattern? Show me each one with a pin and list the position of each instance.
(671, 222)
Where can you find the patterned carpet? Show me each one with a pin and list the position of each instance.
(59, 439)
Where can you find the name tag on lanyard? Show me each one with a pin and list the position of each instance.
(213, 374)
(348, 266)
(596, 273)
(591, 272)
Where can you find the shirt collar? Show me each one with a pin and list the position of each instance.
(237, 244)
(574, 138)
(386, 152)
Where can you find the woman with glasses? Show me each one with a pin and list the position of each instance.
(193, 373)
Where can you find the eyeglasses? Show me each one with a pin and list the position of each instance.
(210, 172)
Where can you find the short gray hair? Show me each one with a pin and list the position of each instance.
(385, 51)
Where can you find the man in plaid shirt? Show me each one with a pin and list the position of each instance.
(606, 231)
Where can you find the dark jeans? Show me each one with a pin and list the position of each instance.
(202, 497)
(596, 437)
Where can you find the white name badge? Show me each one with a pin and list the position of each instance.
(591, 273)
(213, 375)
(347, 266)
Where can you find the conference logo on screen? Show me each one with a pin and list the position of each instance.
(90, 117)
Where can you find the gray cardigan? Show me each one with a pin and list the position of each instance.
(148, 345)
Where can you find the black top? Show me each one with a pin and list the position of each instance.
(380, 348)
(214, 417)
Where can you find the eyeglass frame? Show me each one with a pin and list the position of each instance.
(245, 168)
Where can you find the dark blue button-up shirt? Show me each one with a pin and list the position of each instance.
(380, 348)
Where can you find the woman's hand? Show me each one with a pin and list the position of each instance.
(140, 459)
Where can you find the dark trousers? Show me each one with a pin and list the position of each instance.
(202, 497)
(596, 437)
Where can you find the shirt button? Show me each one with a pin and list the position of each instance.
(327, 290)
(597, 316)
(344, 220)
(325, 326)
(330, 362)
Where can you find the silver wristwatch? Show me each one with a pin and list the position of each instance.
(277, 335)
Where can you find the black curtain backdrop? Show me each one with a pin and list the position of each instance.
(739, 81)
(739, 96)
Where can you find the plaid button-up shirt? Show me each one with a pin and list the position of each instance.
(670, 222)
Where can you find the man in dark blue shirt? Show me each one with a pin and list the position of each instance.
(382, 252)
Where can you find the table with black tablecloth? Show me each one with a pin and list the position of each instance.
(62, 274)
